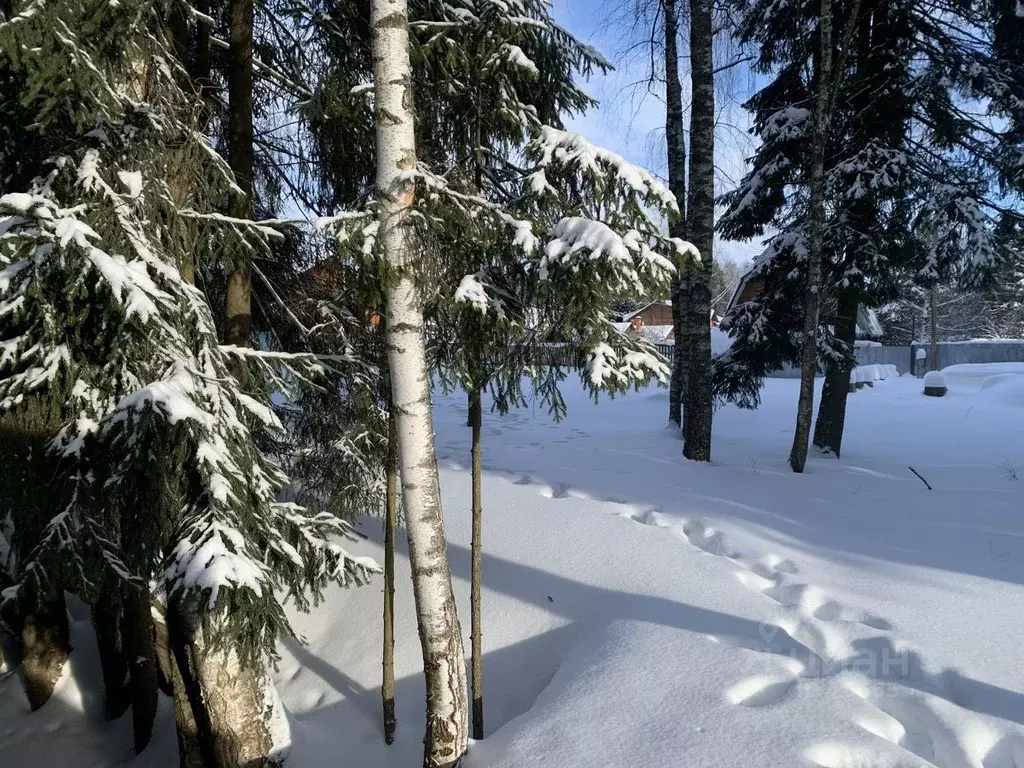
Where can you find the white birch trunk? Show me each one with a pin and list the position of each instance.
(440, 635)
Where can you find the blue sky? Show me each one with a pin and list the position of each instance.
(630, 119)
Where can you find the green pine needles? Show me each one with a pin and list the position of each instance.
(160, 443)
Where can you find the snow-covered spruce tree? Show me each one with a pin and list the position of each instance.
(41, 633)
(111, 360)
(505, 73)
(896, 176)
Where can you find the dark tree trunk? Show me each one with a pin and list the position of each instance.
(202, 65)
(195, 741)
(197, 76)
(828, 429)
(106, 619)
(240, 158)
(698, 400)
(932, 304)
(139, 643)
(45, 645)
(476, 632)
(177, 27)
(815, 241)
(390, 523)
(680, 348)
(676, 145)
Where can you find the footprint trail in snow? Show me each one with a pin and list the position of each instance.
(914, 716)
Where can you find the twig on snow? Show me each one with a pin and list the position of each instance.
(926, 485)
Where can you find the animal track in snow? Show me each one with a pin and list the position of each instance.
(556, 491)
(811, 637)
(915, 722)
(782, 565)
(914, 725)
(754, 581)
(760, 690)
(1008, 752)
(875, 622)
(811, 601)
(653, 517)
(706, 538)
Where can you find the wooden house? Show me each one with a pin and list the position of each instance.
(869, 327)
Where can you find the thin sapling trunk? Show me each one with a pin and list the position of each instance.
(390, 523)
(476, 419)
(676, 145)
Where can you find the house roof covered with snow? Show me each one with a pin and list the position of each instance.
(751, 285)
(868, 324)
(656, 334)
(630, 315)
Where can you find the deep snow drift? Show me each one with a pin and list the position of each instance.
(640, 610)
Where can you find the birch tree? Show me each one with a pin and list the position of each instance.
(447, 729)
(506, 201)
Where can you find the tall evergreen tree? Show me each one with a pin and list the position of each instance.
(901, 196)
(159, 459)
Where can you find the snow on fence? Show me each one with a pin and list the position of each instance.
(909, 359)
(905, 359)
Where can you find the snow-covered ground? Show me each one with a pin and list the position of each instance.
(640, 610)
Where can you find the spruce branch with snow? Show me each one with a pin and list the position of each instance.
(161, 459)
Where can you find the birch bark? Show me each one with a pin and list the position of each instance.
(440, 634)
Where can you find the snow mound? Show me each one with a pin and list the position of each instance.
(1005, 389)
(974, 374)
(934, 379)
(996, 380)
(633, 693)
(874, 373)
